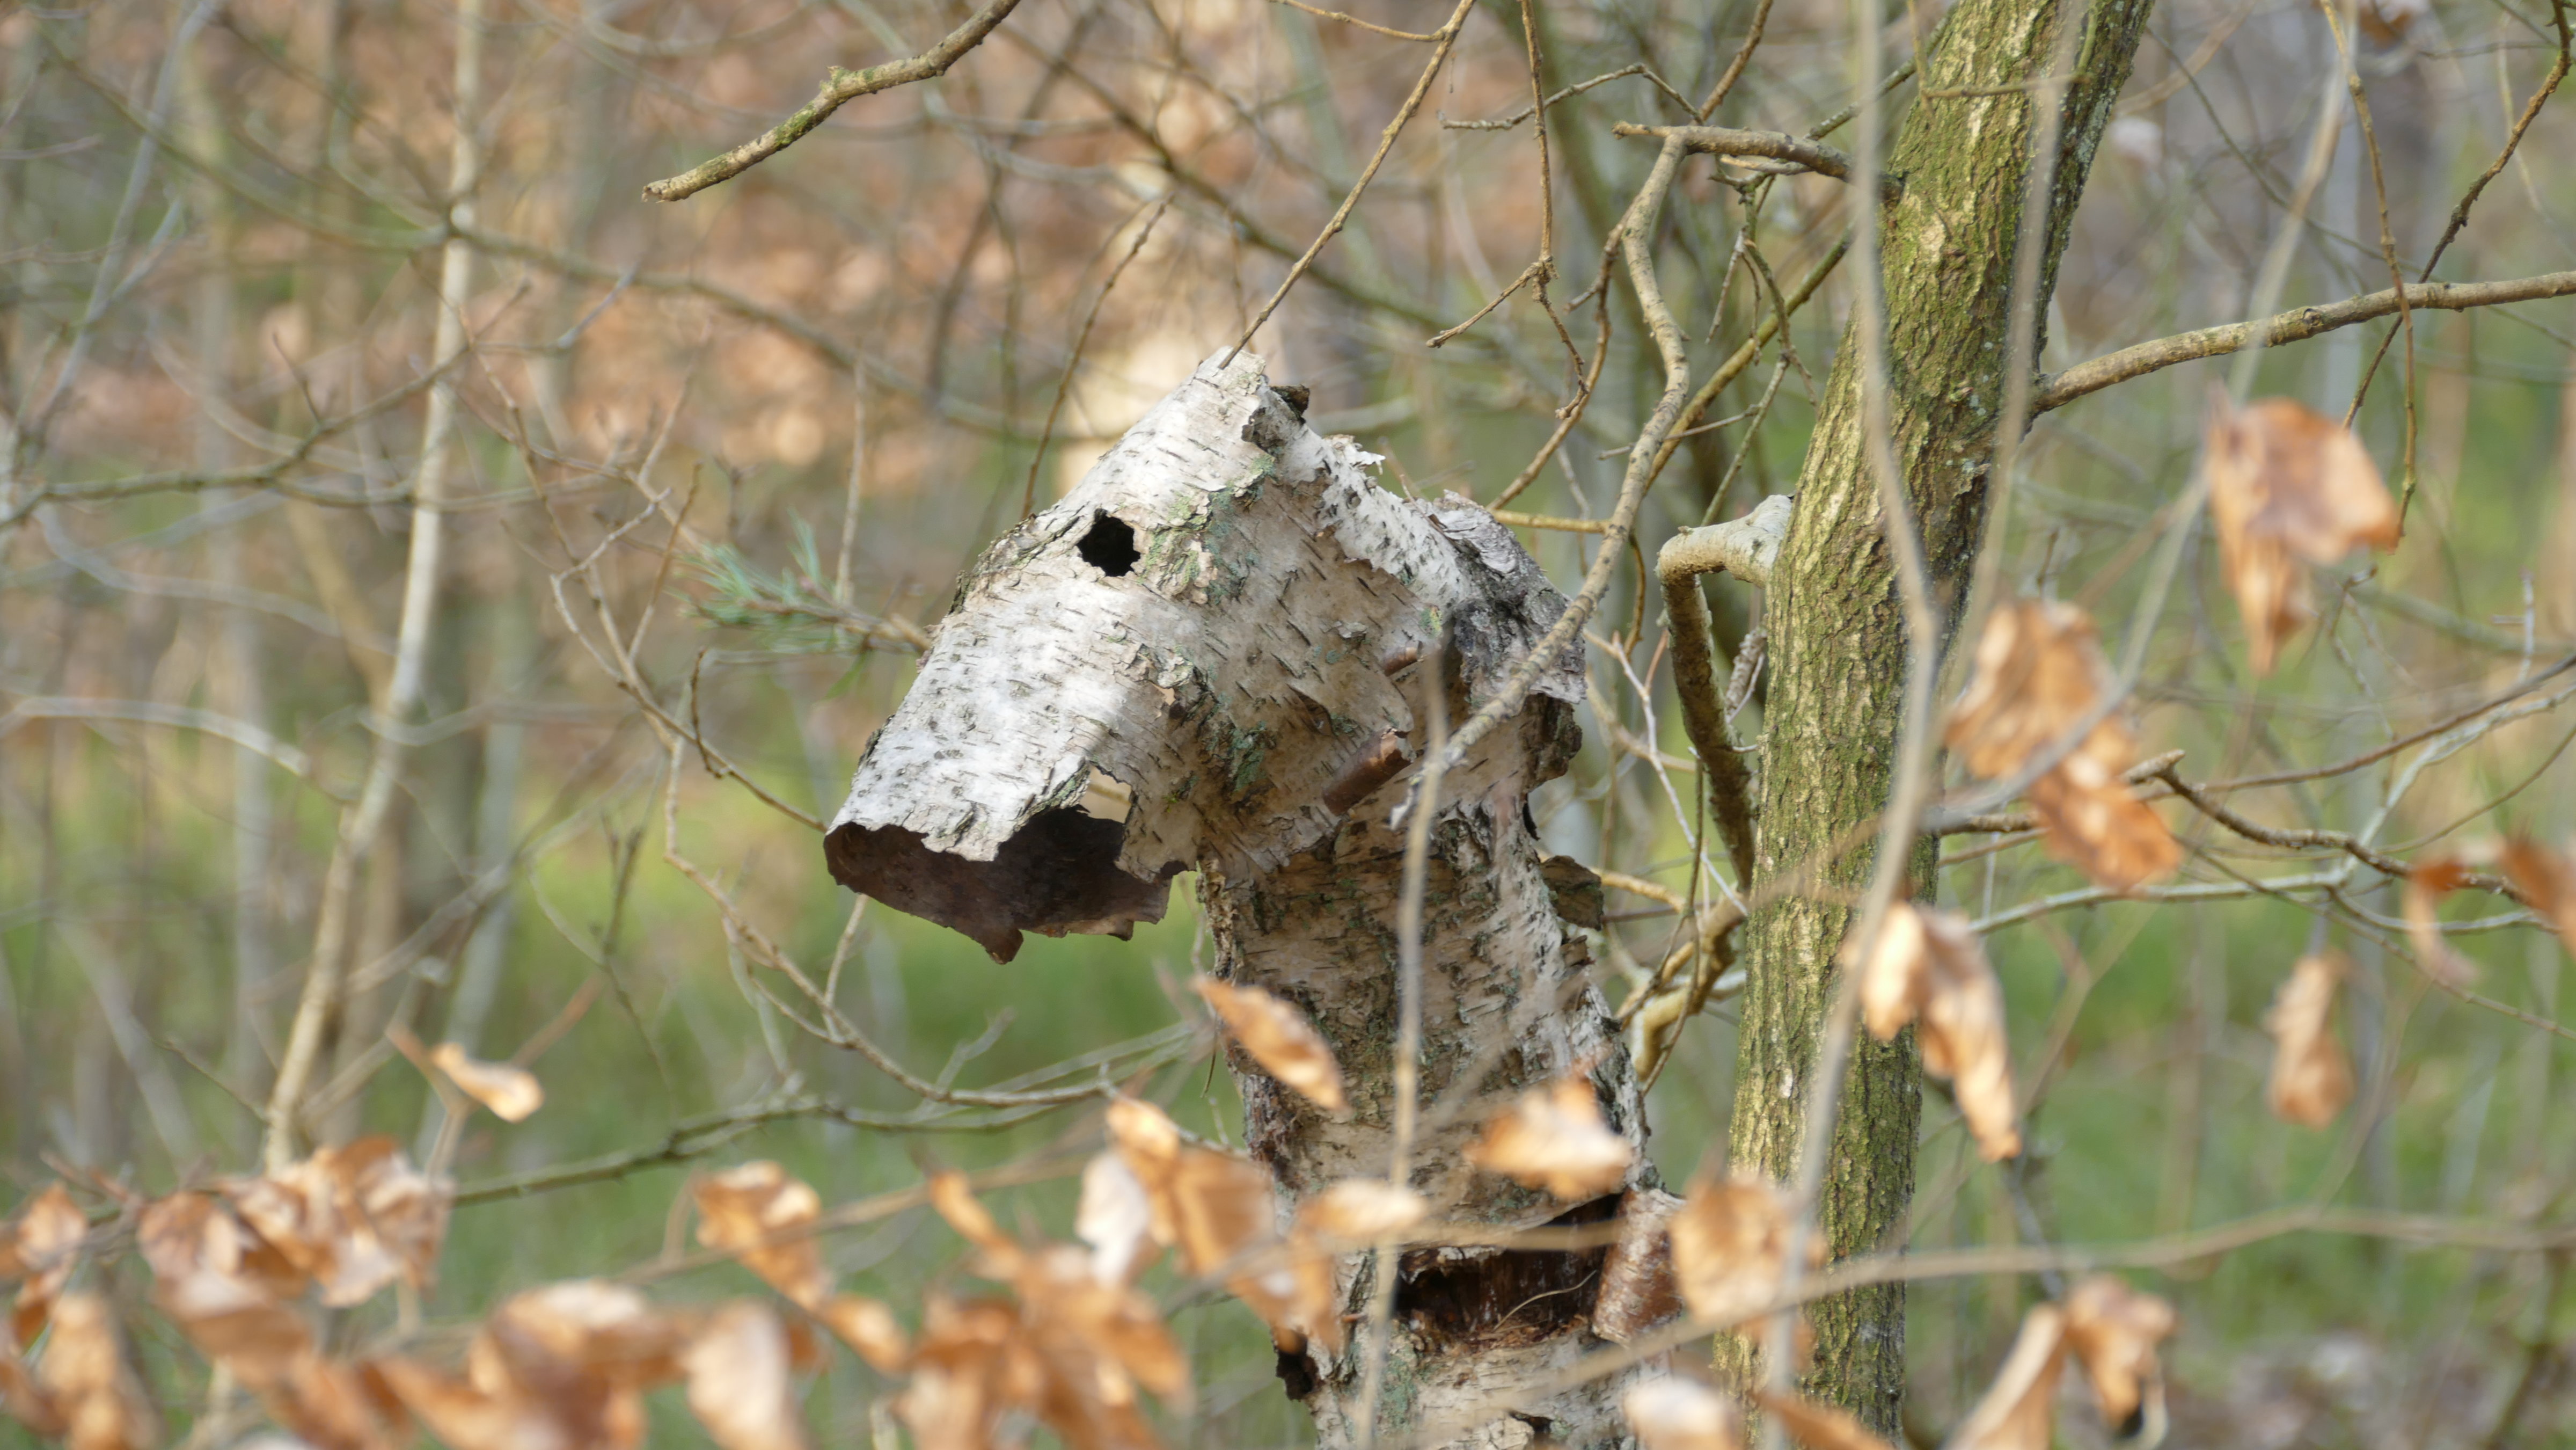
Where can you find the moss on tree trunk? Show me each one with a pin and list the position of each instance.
(1838, 635)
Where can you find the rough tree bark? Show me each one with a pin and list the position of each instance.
(1203, 658)
(1837, 630)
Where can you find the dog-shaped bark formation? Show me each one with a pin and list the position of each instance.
(1205, 658)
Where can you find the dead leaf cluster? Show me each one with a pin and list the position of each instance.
(2039, 674)
(1555, 1138)
(2311, 1073)
(1730, 1247)
(1280, 1038)
(2288, 487)
(1929, 967)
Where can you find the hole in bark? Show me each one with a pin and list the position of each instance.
(1110, 547)
(1297, 1374)
(1059, 874)
(1518, 1296)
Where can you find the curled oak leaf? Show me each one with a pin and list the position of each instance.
(46, 1237)
(1821, 1427)
(2547, 879)
(1679, 1414)
(869, 1328)
(2019, 1411)
(509, 1091)
(1362, 1210)
(739, 1385)
(1116, 1218)
(765, 1219)
(354, 1218)
(2311, 1073)
(2427, 882)
(1731, 1246)
(87, 1382)
(1555, 1138)
(2114, 1330)
(2040, 673)
(1929, 966)
(2287, 485)
(1280, 1038)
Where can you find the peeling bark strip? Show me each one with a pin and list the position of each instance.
(1226, 619)
(1837, 643)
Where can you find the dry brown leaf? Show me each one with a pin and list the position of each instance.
(1116, 1218)
(1638, 1290)
(764, 1218)
(2311, 1073)
(2548, 879)
(2114, 1330)
(1929, 965)
(87, 1383)
(2040, 672)
(2427, 882)
(1555, 1138)
(1824, 1427)
(335, 1406)
(1280, 1038)
(1680, 1414)
(511, 1092)
(1078, 1318)
(1730, 1241)
(974, 1363)
(47, 1236)
(869, 1328)
(739, 1385)
(466, 1416)
(2287, 484)
(24, 1401)
(956, 1202)
(2019, 1411)
(1362, 1210)
(354, 1218)
(1218, 1211)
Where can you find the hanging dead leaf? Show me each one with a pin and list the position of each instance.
(739, 1386)
(1362, 1210)
(25, 1401)
(46, 1240)
(1555, 1138)
(584, 1329)
(1730, 1243)
(2548, 880)
(2040, 673)
(467, 1416)
(565, 1365)
(511, 1092)
(765, 1218)
(1638, 1290)
(869, 1328)
(2114, 1330)
(1219, 1210)
(2311, 1073)
(354, 1218)
(87, 1383)
(1929, 965)
(2287, 484)
(956, 1202)
(2019, 1411)
(335, 1406)
(973, 1365)
(1116, 1218)
(2427, 882)
(1679, 1414)
(1823, 1427)
(1100, 1333)
(1278, 1037)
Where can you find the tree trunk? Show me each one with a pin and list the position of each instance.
(1838, 633)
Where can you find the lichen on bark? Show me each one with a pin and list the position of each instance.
(1837, 633)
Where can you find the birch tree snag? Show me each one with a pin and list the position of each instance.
(1837, 630)
(1202, 658)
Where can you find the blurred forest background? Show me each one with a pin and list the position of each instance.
(281, 279)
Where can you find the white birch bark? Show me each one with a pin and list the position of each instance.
(1226, 618)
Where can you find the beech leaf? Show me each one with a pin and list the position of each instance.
(2311, 1073)
(764, 1218)
(1823, 1427)
(1679, 1414)
(2288, 487)
(2548, 879)
(86, 1381)
(511, 1092)
(1362, 1210)
(1555, 1138)
(2427, 882)
(2114, 1330)
(1278, 1037)
(739, 1385)
(1929, 966)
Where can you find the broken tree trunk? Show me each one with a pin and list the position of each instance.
(1202, 658)
(1837, 633)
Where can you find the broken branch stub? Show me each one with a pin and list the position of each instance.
(1203, 621)
(1216, 639)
